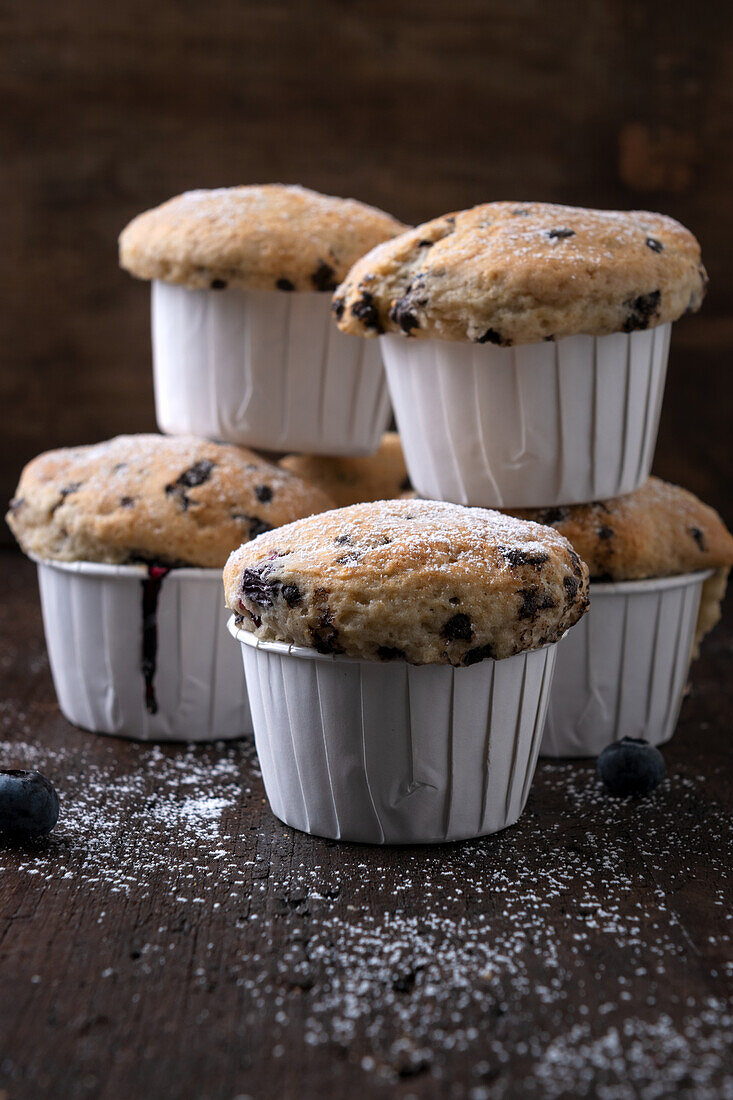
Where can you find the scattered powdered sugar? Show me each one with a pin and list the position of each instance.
(550, 960)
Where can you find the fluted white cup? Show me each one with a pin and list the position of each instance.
(93, 616)
(531, 426)
(264, 368)
(621, 671)
(393, 753)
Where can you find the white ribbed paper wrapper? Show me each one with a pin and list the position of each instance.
(93, 618)
(265, 368)
(533, 426)
(392, 753)
(622, 670)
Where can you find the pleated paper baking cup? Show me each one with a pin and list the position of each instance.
(265, 368)
(142, 653)
(621, 671)
(393, 753)
(533, 426)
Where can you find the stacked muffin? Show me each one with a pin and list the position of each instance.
(131, 535)
(399, 653)
(526, 349)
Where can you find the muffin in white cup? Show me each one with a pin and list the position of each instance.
(243, 350)
(381, 476)
(526, 346)
(398, 657)
(130, 537)
(658, 561)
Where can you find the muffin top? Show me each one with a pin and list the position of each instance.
(259, 237)
(425, 581)
(659, 530)
(521, 272)
(153, 498)
(381, 476)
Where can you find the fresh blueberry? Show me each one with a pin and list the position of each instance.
(29, 805)
(631, 766)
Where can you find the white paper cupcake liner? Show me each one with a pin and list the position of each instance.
(532, 426)
(395, 753)
(622, 670)
(265, 368)
(93, 618)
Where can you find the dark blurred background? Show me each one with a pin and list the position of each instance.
(418, 106)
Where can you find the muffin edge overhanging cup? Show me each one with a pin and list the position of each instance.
(393, 753)
(526, 347)
(533, 425)
(141, 651)
(264, 368)
(622, 671)
(243, 347)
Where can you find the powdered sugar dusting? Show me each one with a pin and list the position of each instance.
(548, 960)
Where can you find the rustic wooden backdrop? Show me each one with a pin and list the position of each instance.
(418, 106)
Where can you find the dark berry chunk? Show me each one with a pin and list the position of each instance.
(218, 284)
(195, 475)
(390, 653)
(654, 244)
(560, 234)
(338, 306)
(365, 310)
(291, 594)
(323, 278)
(520, 211)
(127, 502)
(551, 516)
(631, 767)
(325, 635)
(515, 555)
(533, 601)
(699, 537)
(605, 533)
(256, 526)
(642, 311)
(458, 628)
(258, 587)
(402, 315)
(29, 804)
(571, 586)
(478, 653)
(491, 336)
(284, 284)
(263, 493)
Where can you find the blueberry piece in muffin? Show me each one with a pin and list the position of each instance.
(421, 581)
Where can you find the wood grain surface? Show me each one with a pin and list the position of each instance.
(173, 939)
(420, 107)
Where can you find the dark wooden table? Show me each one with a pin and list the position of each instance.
(172, 939)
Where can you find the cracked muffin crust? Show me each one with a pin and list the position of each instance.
(521, 272)
(423, 581)
(271, 237)
(175, 500)
(659, 530)
(381, 476)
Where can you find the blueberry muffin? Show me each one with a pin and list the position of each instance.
(271, 237)
(153, 498)
(381, 476)
(422, 581)
(512, 273)
(659, 530)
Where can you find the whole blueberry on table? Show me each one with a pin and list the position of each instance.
(631, 766)
(29, 805)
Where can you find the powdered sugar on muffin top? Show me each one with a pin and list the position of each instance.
(425, 581)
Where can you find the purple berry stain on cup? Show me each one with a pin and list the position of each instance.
(29, 805)
(151, 594)
(631, 766)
